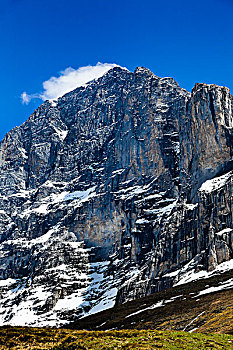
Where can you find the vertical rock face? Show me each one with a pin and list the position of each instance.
(206, 141)
(116, 190)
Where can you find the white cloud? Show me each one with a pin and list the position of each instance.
(25, 98)
(68, 80)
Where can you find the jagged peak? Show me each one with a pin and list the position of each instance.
(172, 82)
(200, 86)
(114, 70)
(169, 80)
(143, 70)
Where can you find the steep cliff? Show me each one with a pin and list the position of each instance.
(118, 189)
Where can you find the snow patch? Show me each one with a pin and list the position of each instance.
(7, 282)
(190, 206)
(222, 232)
(160, 303)
(61, 133)
(70, 302)
(187, 273)
(215, 183)
(107, 301)
(162, 210)
(82, 196)
(23, 152)
(189, 324)
(142, 221)
(223, 286)
(53, 103)
(42, 239)
(119, 171)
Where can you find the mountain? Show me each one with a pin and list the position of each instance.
(117, 190)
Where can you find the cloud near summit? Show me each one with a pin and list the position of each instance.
(68, 80)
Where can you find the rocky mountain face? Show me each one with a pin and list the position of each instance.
(119, 189)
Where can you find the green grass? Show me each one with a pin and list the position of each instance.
(60, 339)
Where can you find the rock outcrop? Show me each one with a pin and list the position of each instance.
(118, 189)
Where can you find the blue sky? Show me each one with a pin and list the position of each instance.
(191, 41)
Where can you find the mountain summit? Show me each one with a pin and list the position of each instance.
(119, 189)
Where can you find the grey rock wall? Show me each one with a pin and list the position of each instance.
(114, 191)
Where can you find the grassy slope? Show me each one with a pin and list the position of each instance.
(60, 339)
(208, 313)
